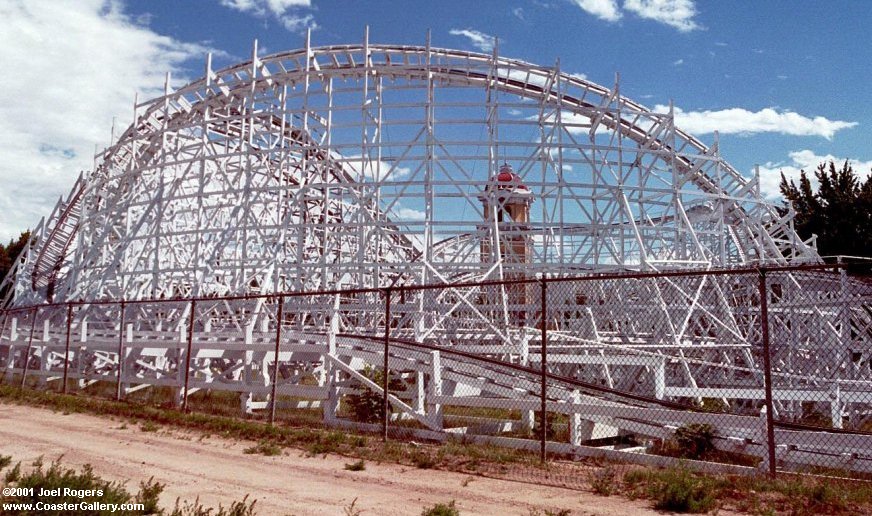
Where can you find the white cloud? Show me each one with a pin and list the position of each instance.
(742, 121)
(286, 11)
(603, 9)
(678, 62)
(675, 13)
(409, 214)
(770, 173)
(74, 67)
(480, 40)
(519, 13)
(579, 76)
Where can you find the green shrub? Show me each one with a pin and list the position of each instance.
(13, 474)
(5, 460)
(368, 406)
(441, 509)
(237, 508)
(424, 460)
(57, 477)
(679, 490)
(148, 495)
(695, 440)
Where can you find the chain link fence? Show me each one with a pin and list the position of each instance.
(751, 370)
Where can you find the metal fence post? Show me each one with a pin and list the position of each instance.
(188, 355)
(29, 345)
(120, 369)
(543, 418)
(387, 338)
(67, 347)
(275, 371)
(767, 370)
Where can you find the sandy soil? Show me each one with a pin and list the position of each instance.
(218, 471)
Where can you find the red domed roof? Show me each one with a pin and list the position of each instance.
(506, 175)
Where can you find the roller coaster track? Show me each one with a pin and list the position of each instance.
(51, 254)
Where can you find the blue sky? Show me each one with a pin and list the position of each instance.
(786, 83)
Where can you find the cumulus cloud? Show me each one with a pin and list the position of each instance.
(770, 173)
(675, 13)
(287, 12)
(76, 67)
(743, 121)
(603, 9)
(480, 40)
(409, 214)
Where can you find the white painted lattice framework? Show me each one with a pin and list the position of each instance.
(356, 167)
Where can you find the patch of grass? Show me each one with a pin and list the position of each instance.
(264, 448)
(149, 426)
(237, 508)
(441, 509)
(679, 490)
(5, 460)
(356, 466)
(603, 481)
(423, 460)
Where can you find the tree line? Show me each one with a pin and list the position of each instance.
(839, 212)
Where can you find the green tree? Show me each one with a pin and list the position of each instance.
(839, 212)
(8, 254)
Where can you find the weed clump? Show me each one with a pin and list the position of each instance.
(603, 481)
(264, 448)
(356, 466)
(441, 509)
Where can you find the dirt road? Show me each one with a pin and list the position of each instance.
(218, 471)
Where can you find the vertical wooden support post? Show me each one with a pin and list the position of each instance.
(120, 369)
(67, 347)
(10, 356)
(275, 371)
(29, 345)
(660, 379)
(386, 372)
(434, 408)
(543, 421)
(767, 370)
(188, 356)
(575, 420)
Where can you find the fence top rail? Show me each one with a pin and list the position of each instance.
(390, 289)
